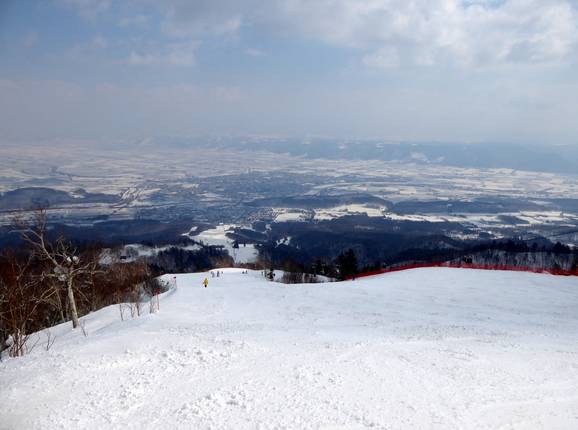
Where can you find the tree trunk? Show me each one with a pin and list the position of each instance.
(59, 304)
(18, 342)
(72, 304)
(16, 349)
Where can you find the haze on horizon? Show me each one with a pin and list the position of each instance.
(425, 70)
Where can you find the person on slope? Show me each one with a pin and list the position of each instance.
(206, 282)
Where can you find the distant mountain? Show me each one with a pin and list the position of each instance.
(542, 158)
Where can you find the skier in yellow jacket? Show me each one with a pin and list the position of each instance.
(206, 282)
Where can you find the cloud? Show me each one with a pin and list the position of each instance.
(98, 42)
(384, 58)
(88, 9)
(138, 20)
(30, 39)
(455, 70)
(391, 33)
(427, 32)
(172, 54)
(185, 18)
(253, 52)
(86, 51)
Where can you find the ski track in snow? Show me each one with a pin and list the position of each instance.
(422, 349)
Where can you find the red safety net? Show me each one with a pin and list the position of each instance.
(557, 272)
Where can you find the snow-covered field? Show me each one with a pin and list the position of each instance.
(421, 349)
(245, 253)
(344, 210)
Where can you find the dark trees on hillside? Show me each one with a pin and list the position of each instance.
(347, 264)
(178, 260)
(323, 267)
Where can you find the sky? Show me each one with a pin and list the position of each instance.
(398, 70)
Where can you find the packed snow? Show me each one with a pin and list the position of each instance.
(422, 349)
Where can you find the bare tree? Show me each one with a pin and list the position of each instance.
(129, 282)
(52, 281)
(67, 266)
(21, 298)
(56, 299)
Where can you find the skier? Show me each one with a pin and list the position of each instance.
(206, 282)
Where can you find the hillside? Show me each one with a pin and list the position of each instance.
(422, 349)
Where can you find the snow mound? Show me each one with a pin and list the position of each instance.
(423, 349)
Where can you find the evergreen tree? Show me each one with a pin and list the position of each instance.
(347, 264)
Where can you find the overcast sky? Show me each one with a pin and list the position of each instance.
(420, 70)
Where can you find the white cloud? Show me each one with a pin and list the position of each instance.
(88, 50)
(253, 52)
(441, 31)
(99, 42)
(476, 94)
(173, 54)
(185, 18)
(384, 58)
(138, 20)
(387, 33)
(398, 32)
(30, 39)
(88, 9)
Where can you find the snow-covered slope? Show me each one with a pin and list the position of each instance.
(422, 349)
(245, 253)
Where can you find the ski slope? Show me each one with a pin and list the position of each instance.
(423, 349)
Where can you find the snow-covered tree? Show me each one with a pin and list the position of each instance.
(347, 264)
